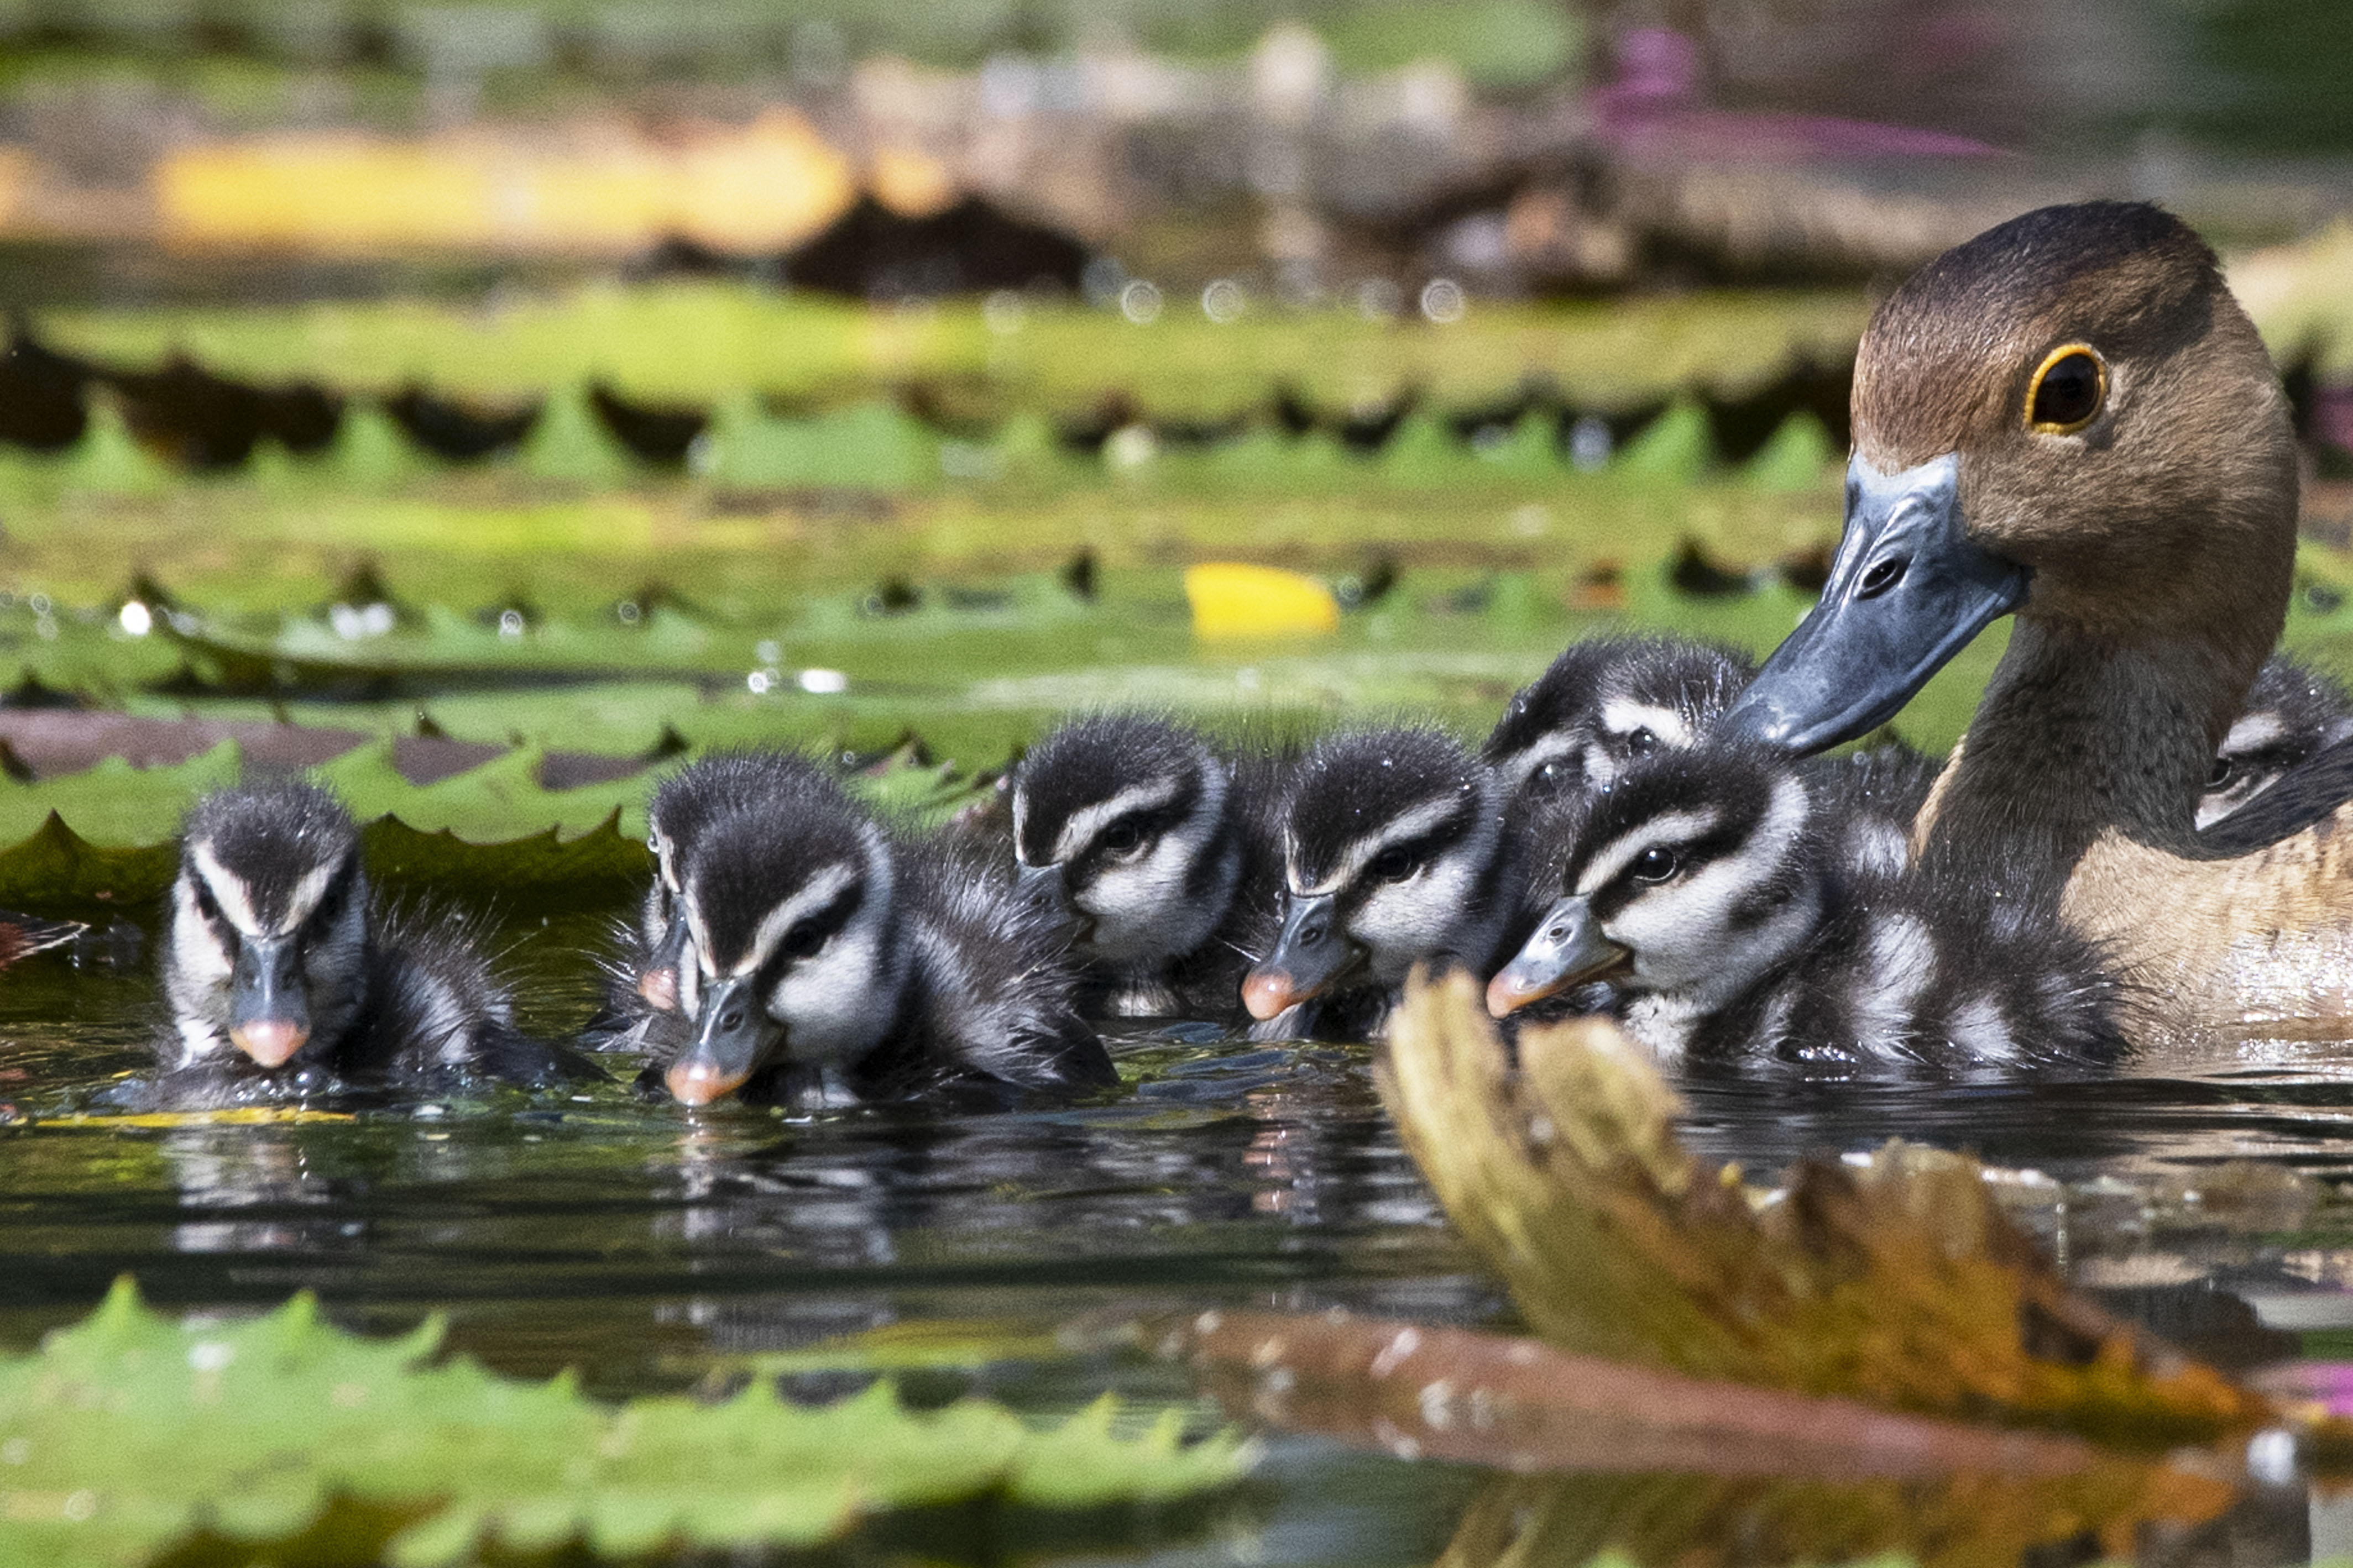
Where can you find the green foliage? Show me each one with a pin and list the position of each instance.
(129, 1431)
(568, 445)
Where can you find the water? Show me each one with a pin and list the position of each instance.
(658, 1250)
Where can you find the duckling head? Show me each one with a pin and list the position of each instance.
(2070, 417)
(1606, 701)
(682, 804)
(1692, 874)
(1116, 826)
(2292, 713)
(268, 937)
(791, 949)
(1392, 844)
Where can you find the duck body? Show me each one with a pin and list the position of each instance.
(828, 960)
(2070, 420)
(283, 970)
(1400, 848)
(1160, 851)
(1713, 892)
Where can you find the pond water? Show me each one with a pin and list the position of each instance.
(654, 1249)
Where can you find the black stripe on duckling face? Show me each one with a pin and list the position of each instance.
(1119, 822)
(268, 937)
(1606, 701)
(792, 946)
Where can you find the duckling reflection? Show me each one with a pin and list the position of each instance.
(830, 964)
(1706, 887)
(1399, 849)
(283, 971)
(1161, 852)
(251, 1185)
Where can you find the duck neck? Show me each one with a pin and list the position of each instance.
(2079, 735)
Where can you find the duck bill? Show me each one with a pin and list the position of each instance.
(658, 981)
(1310, 955)
(1909, 590)
(268, 1007)
(1045, 892)
(731, 1031)
(1568, 950)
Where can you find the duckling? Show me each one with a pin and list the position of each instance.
(825, 963)
(1400, 848)
(282, 964)
(1161, 852)
(644, 973)
(2070, 419)
(2293, 713)
(1707, 887)
(1606, 701)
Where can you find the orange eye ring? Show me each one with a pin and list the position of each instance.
(2063, 411)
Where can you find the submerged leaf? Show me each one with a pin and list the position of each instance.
(129, 1432)
(1899, 1282)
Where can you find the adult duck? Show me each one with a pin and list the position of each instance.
(2069, 419)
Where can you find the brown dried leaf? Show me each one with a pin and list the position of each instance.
(1899, 1282)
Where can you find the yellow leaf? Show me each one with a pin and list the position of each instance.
(1232, 600)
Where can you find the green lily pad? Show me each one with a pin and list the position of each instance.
(130, 1431)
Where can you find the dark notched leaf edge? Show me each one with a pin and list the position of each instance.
(56, 871)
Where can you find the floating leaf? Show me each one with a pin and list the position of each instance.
(129, 1431)
(1899, 1282)
(1233, 600)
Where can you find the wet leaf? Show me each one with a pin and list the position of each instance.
(1899, 1281)
(129, 1432)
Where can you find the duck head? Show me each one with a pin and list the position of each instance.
(1395, 853)
(268, 937)
(2068, 417)
(1120, 827)
(792, 948)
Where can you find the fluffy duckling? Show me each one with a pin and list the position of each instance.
(2293, 713)
(1160, 851)
(824, 961)
(1707, 887)
(1400, 848)
(281, 964)
(1606, 701)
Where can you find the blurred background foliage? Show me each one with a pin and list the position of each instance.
(491, 402)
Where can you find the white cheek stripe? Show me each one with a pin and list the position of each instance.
(1089, 820)
(227, 891)
(2252, 730)
(815, 894)
(1622, 716)
(1667, 827)
(1361, 854)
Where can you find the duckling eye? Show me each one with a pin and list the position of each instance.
(2067, 392)
(1393, 864)
(206, 905)
(1656, 865)
(804, 941)
(1122, 837)
(2221, 775)
(1558, 770)
(1641, 742)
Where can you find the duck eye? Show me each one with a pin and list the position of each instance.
(1393, 864)
(1122, 837)
(1655, 865)
(2068, 389)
